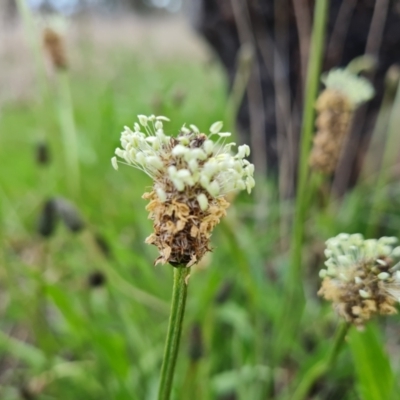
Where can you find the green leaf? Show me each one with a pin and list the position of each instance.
(67, 306)
(31, 355)
(374, 373)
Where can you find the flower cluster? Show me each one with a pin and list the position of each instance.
(192, 173)
(356, 88)
(362, 277)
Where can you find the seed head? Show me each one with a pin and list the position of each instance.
(55, 46)
(361, 277)
(191, 173)
(335, 106)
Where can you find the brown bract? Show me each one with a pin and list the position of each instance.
(182, 230)
(335, 112)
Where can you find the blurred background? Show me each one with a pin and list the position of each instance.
(83, 311)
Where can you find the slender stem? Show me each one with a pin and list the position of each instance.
(293, 302)
(389, 159)
(380, 127)
(34, 43)
(69, 135)
(244, 61)
(322, 367)
(178, 303)
(338, 343)
(32, 36)
(313, 77)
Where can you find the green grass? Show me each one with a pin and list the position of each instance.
(72, 341)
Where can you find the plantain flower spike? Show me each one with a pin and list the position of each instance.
(53, 37)
(362, 277)
(345, 91)
(54, 44)
(192, 173)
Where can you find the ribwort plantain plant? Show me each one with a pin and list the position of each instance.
(259, 335)
(191, 175)
(361, 277)
(336, 105)
(54, 45)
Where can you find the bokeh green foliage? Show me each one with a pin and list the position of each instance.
(75, 341)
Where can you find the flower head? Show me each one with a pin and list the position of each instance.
(356, 88)
(192, 173)
(53, 36)
(344, 92)
(362, 277)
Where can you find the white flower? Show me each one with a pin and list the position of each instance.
(191, 175)
(114, 163)
(346, 250)
(203, 202)
(216, 127)
(189, 159)
(357, 88)
(361, 276)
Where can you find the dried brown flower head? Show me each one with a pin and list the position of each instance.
(335, 108)
(55, 46)
(191, 174)
(362, 277)
(334, 117)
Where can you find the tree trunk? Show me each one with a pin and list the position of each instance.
(280, 33)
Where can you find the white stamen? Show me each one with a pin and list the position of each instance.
(203, 201)
(155, 162)
(213, 188)
(208, 146)
(199, 154)
(179, 150)
(216, 127)
(143, 120)
(193, 165)
(183, 174)
(194, 128)
(383, 276)
(178, 184)
(114, 163)
(161, 195)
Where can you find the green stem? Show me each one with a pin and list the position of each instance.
(33, 37)
(338, 343)
(322, 367)
(178, 303)
(313, 78)
(381, 126)
(294, 300)
(34, 43)
(69, 135)
(378, 202)
(244, 61)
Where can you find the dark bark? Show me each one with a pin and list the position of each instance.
(279, 31)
